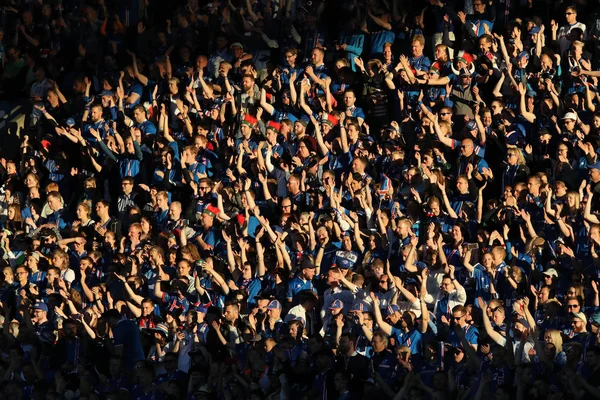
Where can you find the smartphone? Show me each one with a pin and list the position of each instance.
(472, 246)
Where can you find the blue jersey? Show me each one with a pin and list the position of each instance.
(412, 339)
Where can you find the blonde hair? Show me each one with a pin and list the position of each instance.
(575, 196)
(556, 339)
(516, 152)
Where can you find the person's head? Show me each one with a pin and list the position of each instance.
(248, 82)
(347, 343)
(52, 275)
(349, 98)
(379, 341)
(293, 184)
(102, 208)
(232, 312)
(554, 338)
(40, 312)
(594, 173)
(162, 200)
(96, 113)
(447, 285)
(135, 232)
(418, 43)
(578, 321)
(60, 259)
(173, 86)
(467, 147)
(22, 273)
(54, 200)
(459, 314)
(317, 56)
(513, 156)
(290, 56)
(341, 381)
(175, 211)
(571, 15)
(308, 269)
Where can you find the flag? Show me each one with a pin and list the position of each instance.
(386, 186)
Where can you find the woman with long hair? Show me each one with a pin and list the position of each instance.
(60, 259)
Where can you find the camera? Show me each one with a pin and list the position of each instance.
(550, 74)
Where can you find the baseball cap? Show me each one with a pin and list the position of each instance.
(570, 115)
(307, 264)
(70, 121)
(551, 272)
(391, 309)
(274, 305)
(40, 306)
(201, 309)
(595, 318)
(595, 165)
(360, 306)
(236, 44)
(106, 93)
(161, 328)
(337, 304)
(471, 125)
(579, 315)
(36, 256)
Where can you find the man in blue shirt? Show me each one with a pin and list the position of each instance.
(302, 281)
(471, 333)
(409, 333)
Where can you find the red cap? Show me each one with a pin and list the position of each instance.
(250, 120)
(274, 125)
(211, 210)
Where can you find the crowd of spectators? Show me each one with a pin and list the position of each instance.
(301, 199)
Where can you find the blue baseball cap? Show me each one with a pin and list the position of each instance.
(274, 305)
(595, 165)
(360, 306)
(106, 93)
(201, 309)
(471, 125)
(337, 304)
(70, 122)
(40, 306)
(391, 309)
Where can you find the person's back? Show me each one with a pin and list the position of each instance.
(127, 335)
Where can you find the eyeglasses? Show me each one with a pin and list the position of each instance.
(572, 306)
(494, 309)
(203, 187)
(569, 13)
(458, 318)
(445, 113)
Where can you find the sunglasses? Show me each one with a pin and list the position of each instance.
(458, 318)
